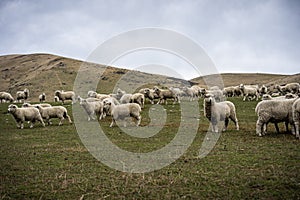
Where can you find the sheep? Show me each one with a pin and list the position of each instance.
(56, 99)
(138, 98)
(25, 114)
(25, 105)
(42, 97)
(165, 94)
(237, 91)
(249, 91)
(228, 91)
(217, 112)
(125, 98)
(177, 91)
(120, 112)
(97, 95)
(59, 112)
(290, 87)
(68, 95)
(262, 90)
(92, 108)
(150, 94)
(5, 96)
(191, 92)
(274, 111)
(287, 96)
(296, 116)
(22, 95)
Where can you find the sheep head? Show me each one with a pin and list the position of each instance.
(12, 108)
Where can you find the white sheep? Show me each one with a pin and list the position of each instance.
(289, 88)
(262, 90)
(25, 114)
(65, 95)
(56, 99)
(229, 91)
(191, 92)
(217, 112)
(138, 98)
(296, 116)
(249, 92)
(25, 105)
(5, 96)
(92, 108)
(59, 112)
(274, 111)
(125, 98)
(166, 94)
(22, 95)
(42, 97)
(122, 111)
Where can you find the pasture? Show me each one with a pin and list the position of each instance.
(52, 163)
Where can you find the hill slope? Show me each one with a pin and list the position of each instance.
(47, 73)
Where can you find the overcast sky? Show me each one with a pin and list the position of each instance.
(238, 35)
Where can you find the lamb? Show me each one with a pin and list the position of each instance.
(217, 112)
(165, 94)
(59, 112)
(296, 116)
(22, 95)
(248, 92)
(290, 87)
(25, 114)
(68, 95)
(138, 98)
(5, 96)
(122, 111)
(92, 108)
(42, 97)
(26, 105)
(274, 111)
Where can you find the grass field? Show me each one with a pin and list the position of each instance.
(52, 163)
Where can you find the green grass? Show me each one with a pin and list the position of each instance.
(52, 163)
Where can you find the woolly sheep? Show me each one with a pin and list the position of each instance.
(125, 98)
(262, 90)
(274, 111)
(248, 92)
(22, 95)
(296, 116)
(216, 93)
(92, 108)
(25, 114)
(5, 96)
(25, 105)
(191, 92)
(122, 111)
(59, 112)
(217, 112)
(165, 94)
(42, 97)
(228, 91)
(290, 87)
(138, 98)
(65, 95)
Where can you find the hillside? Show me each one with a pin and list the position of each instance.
(47, 73)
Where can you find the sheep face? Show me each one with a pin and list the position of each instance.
(12, 108)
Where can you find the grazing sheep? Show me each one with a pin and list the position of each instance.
(249, 92)
(296, 116)
(68, 95)
(289, 88)
(217, 112)
(25, 114)
(26, 105)
(5, 96)
(165, 94)
(274, 111)
(42, 97)
(122, 111)
(138, 98)
(22, 95)
(92, 108)
(59, 112)
(150, 94)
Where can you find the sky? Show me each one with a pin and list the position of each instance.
(257, 36)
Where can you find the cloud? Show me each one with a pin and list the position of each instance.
(240, 36)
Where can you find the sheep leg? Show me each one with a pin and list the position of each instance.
(286, 126)
(112, 122)
(138, 120)
(297, 129)
(22, 125)
(226, 124)
(259, 126)
(276, 127)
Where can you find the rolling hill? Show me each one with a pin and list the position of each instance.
(47, 73)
